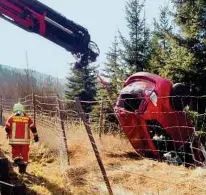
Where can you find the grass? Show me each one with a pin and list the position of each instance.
(128, 173)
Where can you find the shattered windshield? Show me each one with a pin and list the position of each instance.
(137, 86)
(131, 95)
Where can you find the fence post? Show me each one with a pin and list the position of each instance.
(94, 146)
(34, 107)
(60, 114)
(101, 118)
(1, 110)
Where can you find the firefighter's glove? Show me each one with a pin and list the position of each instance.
(36, 138)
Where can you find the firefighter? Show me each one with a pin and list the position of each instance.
(18, 129)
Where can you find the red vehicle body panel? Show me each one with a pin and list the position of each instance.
(134, 123)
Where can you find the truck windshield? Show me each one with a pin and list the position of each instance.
(135, 86)
(133, 94)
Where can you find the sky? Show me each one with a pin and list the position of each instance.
(101, 18)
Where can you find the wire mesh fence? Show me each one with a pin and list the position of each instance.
(127, 133)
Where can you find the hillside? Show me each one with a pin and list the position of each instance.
(22, 79)
(128, 173)
(7, 70)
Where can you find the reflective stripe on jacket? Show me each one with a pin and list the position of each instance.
(19, 129)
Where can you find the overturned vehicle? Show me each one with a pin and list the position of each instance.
(150, 110)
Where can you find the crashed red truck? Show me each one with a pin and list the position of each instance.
(153, 118)
(155, 126)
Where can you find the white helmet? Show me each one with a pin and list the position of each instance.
(18, 108)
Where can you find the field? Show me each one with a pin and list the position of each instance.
(128, 173)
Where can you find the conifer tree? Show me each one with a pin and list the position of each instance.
(82, 84)
(135, 50)
(160, 43)
(114, 70)
(186, 61)
(113, 76)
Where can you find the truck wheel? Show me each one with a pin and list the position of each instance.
(179, 96)
(4, 175)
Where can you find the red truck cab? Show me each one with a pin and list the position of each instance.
(152, 116)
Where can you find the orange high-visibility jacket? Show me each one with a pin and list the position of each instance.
(19, 129)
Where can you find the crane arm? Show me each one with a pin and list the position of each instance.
(36, 17)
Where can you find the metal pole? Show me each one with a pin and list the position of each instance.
(59, 111)
(94, 146)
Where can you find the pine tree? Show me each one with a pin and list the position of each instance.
(82, 84)
(136, 48)
(189, 48)
(113, 70)
(110, 122)
(178, 64)
(113, 75)
(160, 43)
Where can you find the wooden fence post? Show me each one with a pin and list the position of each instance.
(101, 118)
(94, 146)
(60, 114)
(1, 110)
(34, 107)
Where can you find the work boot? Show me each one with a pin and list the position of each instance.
(22, 167)
(16, 162)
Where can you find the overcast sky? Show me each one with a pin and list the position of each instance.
(101, 18)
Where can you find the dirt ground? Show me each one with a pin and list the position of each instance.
(127, 172)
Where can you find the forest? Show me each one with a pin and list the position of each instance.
(174, 47)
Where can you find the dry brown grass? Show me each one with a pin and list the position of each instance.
(127, 172)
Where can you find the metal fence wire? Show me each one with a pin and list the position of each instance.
(169, 136)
